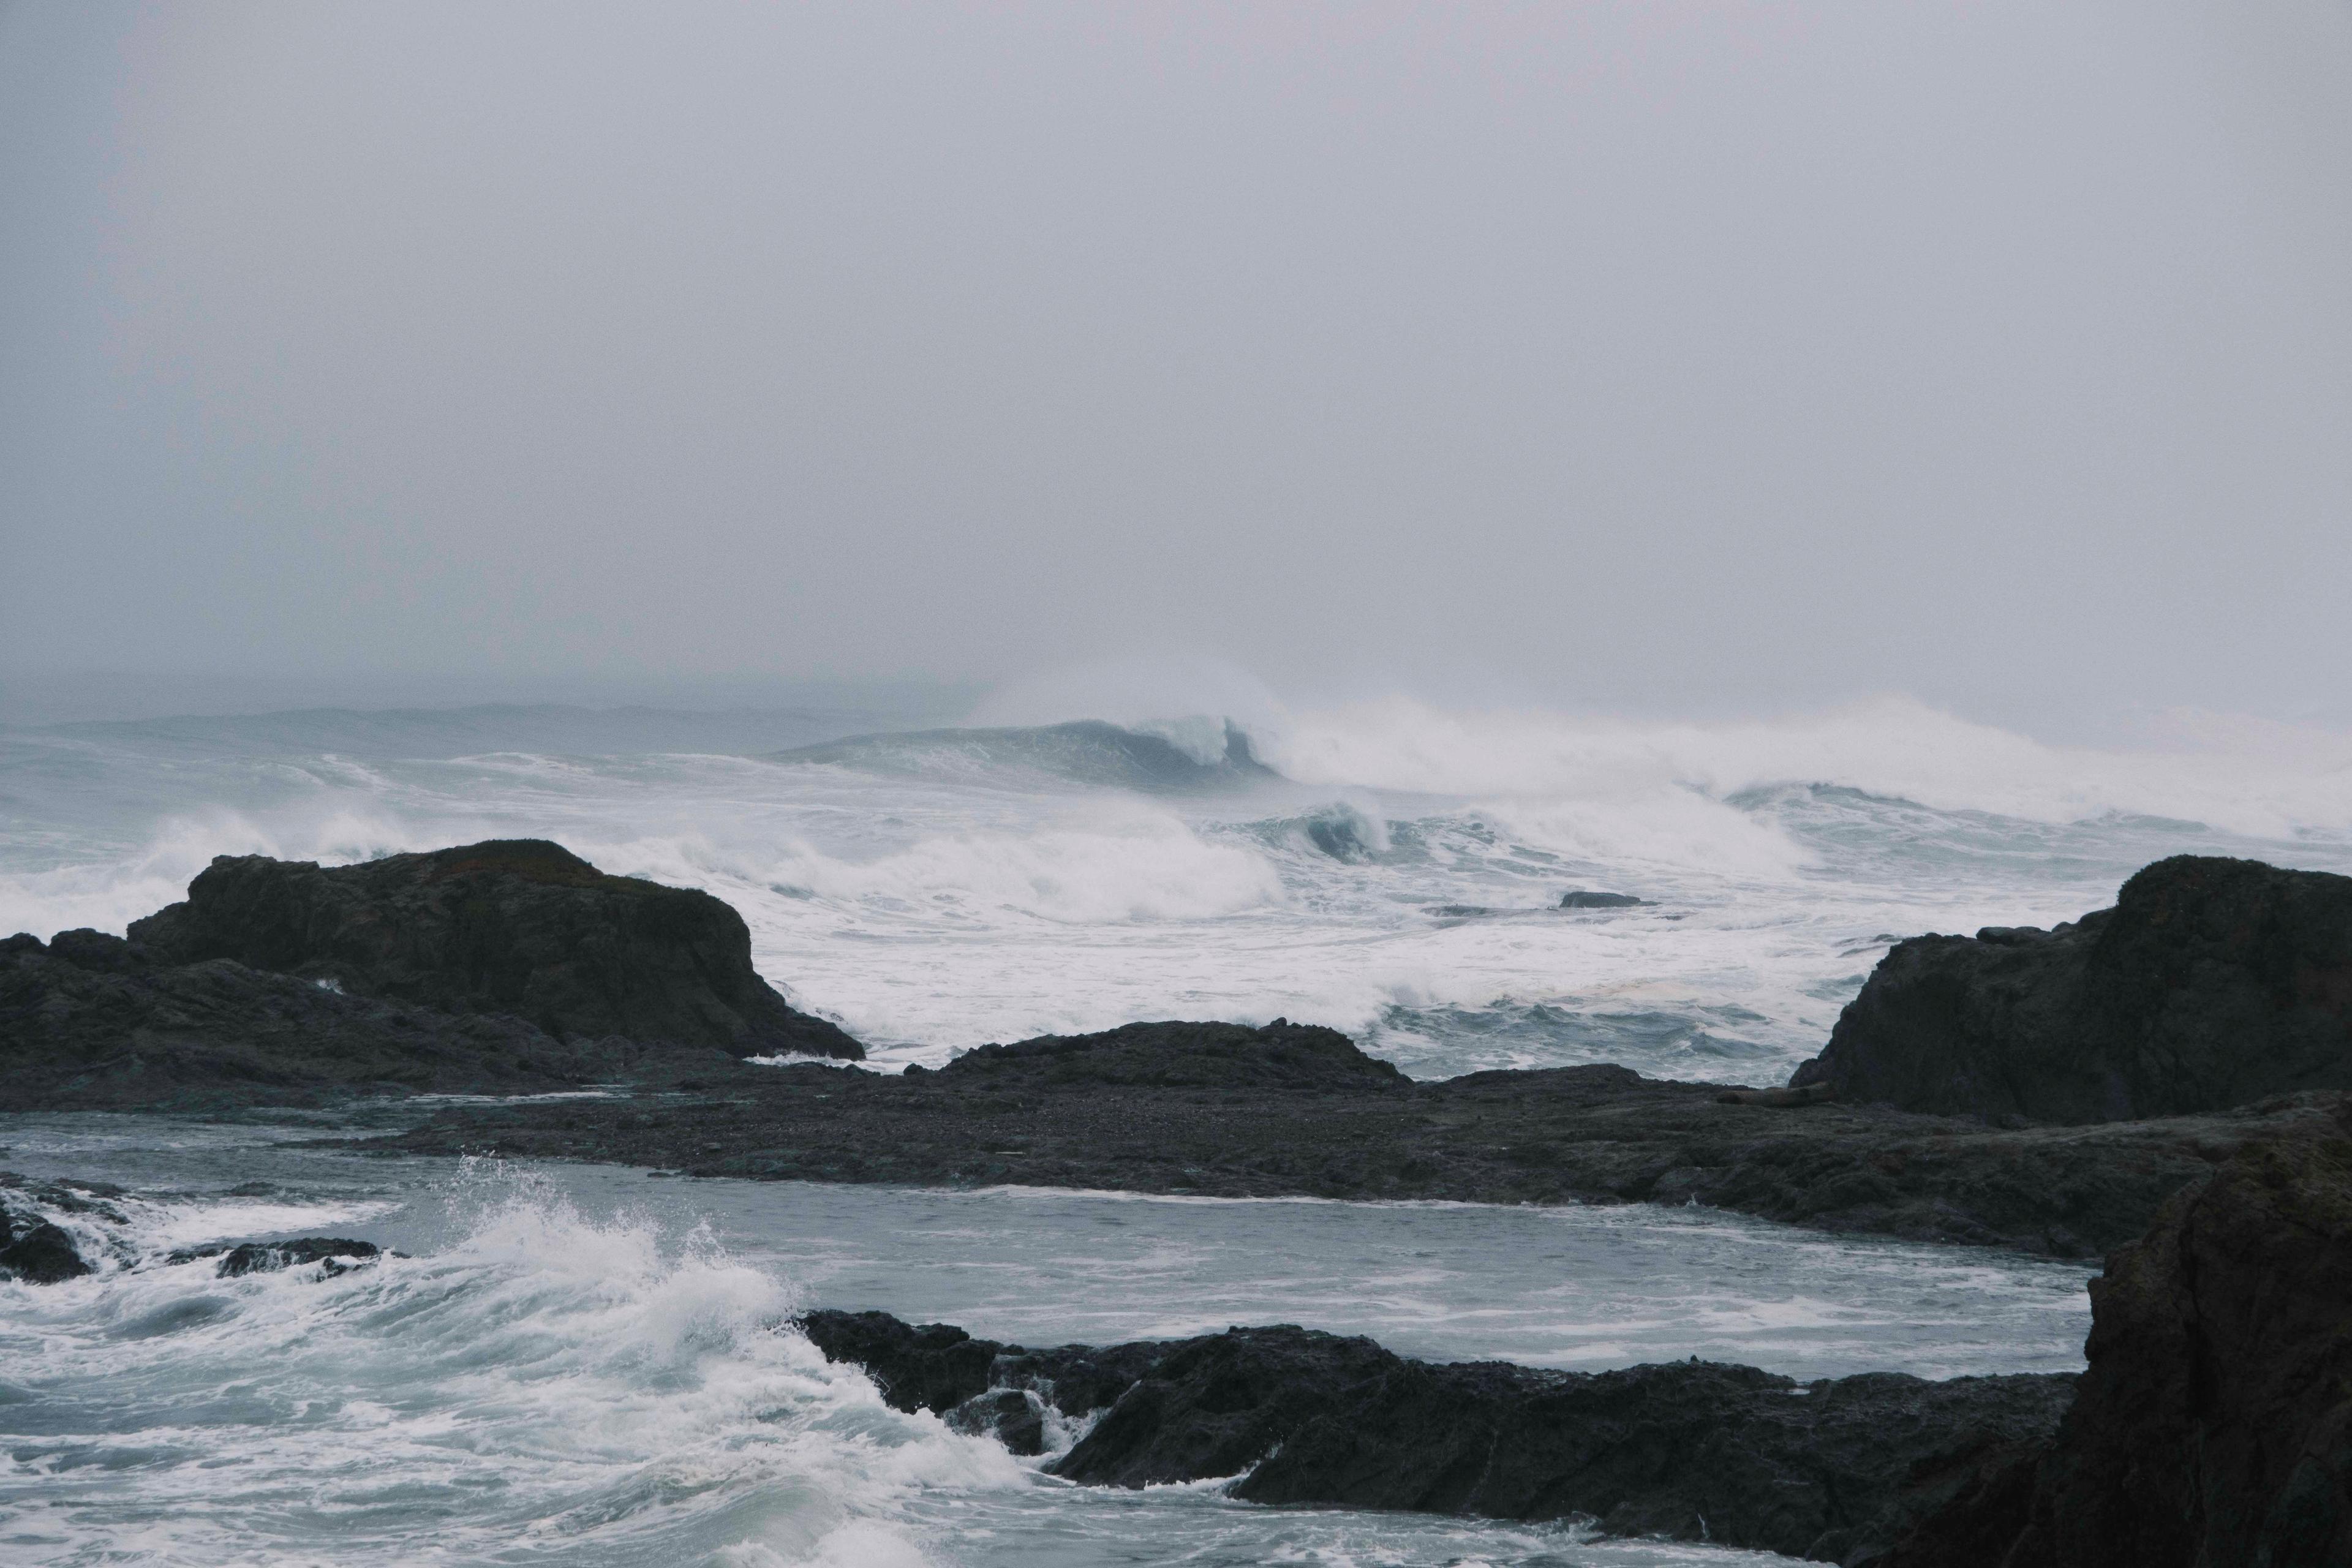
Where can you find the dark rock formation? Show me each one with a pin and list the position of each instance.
(940, 1368)
(1779, 1099)
(933, 1367)
(1224, 1111)
(41, 1253)
(91, 1022)
(2214, 1426)
(1283, 1055)
(2211, 983)
(518, 927)
(499, 968)
(1834, 1469)
(1585, 899)
(38, 1250)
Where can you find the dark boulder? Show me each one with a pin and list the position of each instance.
(1834, 1469)
(2211, 983)
(522, 926)
(40, 1253)
(1585, 898)
(2214, 1426)
(91, 1022)
(1282, 1055)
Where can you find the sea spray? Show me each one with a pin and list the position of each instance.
(543, 1384)
(940, 893)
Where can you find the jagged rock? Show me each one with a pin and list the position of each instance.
(2214, 1426)
(39, 1254)
(933, 1367)
(1833, 1469)
(521, 927)
(2211, 983)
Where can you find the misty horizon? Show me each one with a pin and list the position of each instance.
(1741, 362)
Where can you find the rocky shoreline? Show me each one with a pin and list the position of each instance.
(2214, 1426)
(1291, 1110)
(2165, 1082)
(2218, 992)
(1837, 1469)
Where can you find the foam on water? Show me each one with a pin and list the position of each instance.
(536, 1384)
(544, 1385)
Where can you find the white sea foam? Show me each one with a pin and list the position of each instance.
(535, 1383)
(952, 893)
(2255, 779)
(541, 1383)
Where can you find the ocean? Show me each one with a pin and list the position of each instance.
(592, 1365)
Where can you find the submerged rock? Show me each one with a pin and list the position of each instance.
(519, 927)
(340, 1254)
(1833, 1469)
(1585, 899)
(2214, 1426)
(2211, 983)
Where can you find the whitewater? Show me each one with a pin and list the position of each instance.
(585, 1365)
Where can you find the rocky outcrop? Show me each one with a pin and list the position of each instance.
(34, 1248)
(1220, 1110)
(2211, 983)
(516, 927)
(510, 967)
(1281, 1056)
(40, 1253)
(1834, 1469)
(2214, 1426)
(90, 1022)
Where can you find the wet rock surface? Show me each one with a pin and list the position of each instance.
(2214, 1425)
(39, 1253)
(1834, 1469)
(34, 1248)
(93, 1023)
(1224, 1111)
(2211, 983)
(518, 927)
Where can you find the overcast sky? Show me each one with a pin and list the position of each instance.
(1648, 356)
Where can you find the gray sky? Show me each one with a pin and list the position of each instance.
(1684, 356)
